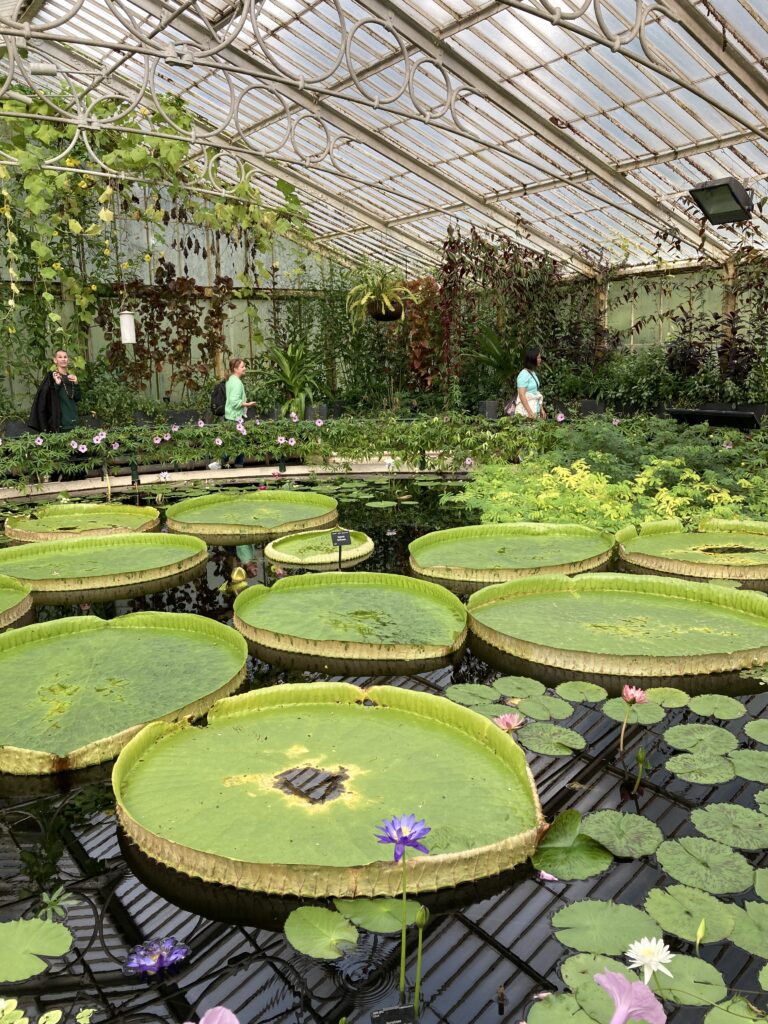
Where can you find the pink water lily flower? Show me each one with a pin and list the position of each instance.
(218, 1015)
(634, 695)
(509, 722)
(633, 999)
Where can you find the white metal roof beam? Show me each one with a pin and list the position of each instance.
(320, 107)
(714, 40)
(539, 123)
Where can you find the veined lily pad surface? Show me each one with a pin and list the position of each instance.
(103, 568)
(75, 690)
(623, 625)
(15, 601)
(249, 517)
(88, 519)
(306, 772)
(721, 549)
(359, 616)
(316, 548)
(470, 557)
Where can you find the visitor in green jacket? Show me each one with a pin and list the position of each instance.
(235, 407)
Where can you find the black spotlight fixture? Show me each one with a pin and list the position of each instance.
(723, 201)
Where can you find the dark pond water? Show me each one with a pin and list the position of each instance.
(487, 953)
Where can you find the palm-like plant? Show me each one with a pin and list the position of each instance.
(379, 291)
(504, 358)
(293, 372)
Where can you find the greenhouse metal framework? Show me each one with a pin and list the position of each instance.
(578, 126)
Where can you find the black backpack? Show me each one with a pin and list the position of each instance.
(219, 398)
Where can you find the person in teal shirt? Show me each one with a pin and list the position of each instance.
(235, 407)
(530, 401)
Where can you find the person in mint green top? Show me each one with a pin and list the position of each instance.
(530, 401)
(236, 407)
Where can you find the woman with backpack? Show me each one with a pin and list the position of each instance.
(235, 405)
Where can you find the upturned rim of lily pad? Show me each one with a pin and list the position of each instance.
(466, 580)
(629, 667)
(21, 597)
(215, 530)
(145, 517)
(383, 877)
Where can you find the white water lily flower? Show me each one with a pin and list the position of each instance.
(651, 955)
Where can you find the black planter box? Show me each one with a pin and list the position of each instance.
(316, 412)
(718, 414)
(489, 409)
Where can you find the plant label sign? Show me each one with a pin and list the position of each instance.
(339, 538)
(396, 1015)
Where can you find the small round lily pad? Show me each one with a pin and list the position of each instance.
(706, 865)
(636, 714)
(519, 686)
(750, 764)
(581, 690)
(703, 769)
(667, 696)
(680, 910)
(701, 739)
(717, 705)
(757, 730)
(597, 926)
(694, 982)
(731, 824)
(552, 740)
(567, 853)
(625, 835)
(545, 708)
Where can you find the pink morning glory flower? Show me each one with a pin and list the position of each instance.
(174, 427)
(39, 440)
(294, 417)
(82, 448)
(616, 422)
(201, 423)
(544, 876)
(217, 440)
(257, 421)
(560, 417)
(97, 439)
(727, 444)
(634, 695)
(469, 462)
(156, 439)
(291, 441)
(404, 833)
(319, 423)
(280, 439)
(115, 445)
(73, 444)
(166, 437)
(218, 1015)
(632, 999)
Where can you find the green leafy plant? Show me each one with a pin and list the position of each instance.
(293, 373)
(378, 291)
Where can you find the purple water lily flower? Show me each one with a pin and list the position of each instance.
(39, 440)
(218, 1015)
(73, 444)
(82, 448)
(319, 423)
(404, 832)
(632, 999)
(115, 445)
(153, 957)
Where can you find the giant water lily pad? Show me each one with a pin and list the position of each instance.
(103, 568)
(86, 519)
(721, 550)
(75, 690)
(250, 517)
(15, 601)
(315, 548)
(617, 625)
(359, 617)
(307, 771)
(23, 943)
(467, 558)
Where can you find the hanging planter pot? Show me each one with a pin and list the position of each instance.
(378, 311)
